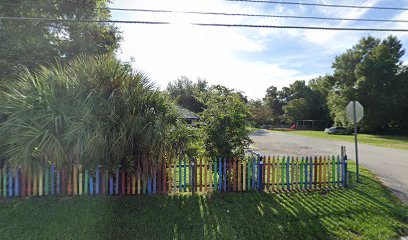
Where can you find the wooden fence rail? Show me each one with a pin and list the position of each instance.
(266, 173)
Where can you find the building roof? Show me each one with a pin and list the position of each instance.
(186, 114)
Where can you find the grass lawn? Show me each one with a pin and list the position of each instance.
(392, 141)
(365, 211)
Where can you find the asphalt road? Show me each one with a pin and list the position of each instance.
(390, 165)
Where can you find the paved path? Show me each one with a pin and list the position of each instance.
(390, 165)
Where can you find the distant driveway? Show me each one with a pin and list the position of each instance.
(390, 165)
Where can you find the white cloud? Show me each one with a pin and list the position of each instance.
(170, 51)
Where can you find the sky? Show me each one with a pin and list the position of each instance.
(246, 59)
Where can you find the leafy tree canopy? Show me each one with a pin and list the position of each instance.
(184, 91)
(225, 122)
(33, 43)
(372, 73)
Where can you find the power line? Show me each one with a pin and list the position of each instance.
(321, 5)
(257, 15)
(249, 1)
(209, 24)
(302, 27)
(82, 20)
(254, 15)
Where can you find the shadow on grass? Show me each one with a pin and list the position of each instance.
(365, 210)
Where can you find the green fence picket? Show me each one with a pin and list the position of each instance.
(302, 162)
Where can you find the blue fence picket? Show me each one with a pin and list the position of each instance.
(110, 185)
(91, 185)
(149, 184)
(345, 171)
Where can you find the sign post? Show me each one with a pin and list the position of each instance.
(355, 112)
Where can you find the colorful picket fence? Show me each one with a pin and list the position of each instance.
(223, 175)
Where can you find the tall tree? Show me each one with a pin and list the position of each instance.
(272, 100)
(225, 117)
(33, 42)
(184, 91)
(369, 72)
(261, 113)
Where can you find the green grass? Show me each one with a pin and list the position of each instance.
(365, 211)
(391, 141)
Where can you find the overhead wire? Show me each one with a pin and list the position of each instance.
(234, 14)
(208, 24)
(258, 15)
(322, 5)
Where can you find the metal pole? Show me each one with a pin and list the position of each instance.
(355, 139)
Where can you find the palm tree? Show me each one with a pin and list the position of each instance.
(93, 111)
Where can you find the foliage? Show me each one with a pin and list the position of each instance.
(93, 111)
(183, 90)
(299, 101)
(296, 109)
(260, 113)
(225, 122)
(372, 73)
(34, 43)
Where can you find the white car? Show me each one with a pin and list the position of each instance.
(337, 130)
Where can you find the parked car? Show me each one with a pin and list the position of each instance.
(337, 130)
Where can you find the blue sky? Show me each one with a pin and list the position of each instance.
(249, 60)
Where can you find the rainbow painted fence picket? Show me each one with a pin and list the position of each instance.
(222, 175)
